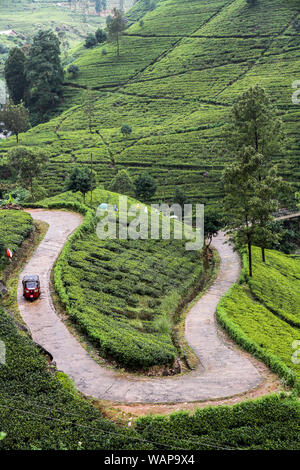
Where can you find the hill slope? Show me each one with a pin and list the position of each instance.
(179, 72)
(263, 314)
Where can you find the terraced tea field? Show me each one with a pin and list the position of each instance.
(263, 315)
(15, 226)
(178, 74)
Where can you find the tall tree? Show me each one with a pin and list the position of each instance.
(88, 107)
(255, 123)
(240, 179)
(116, 27)
(44, 75)
(14, 72)
(250, 200)
(98, 6)
(265, 203)
(15, 118)
(28, 163)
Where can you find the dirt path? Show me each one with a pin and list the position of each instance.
(225, 371)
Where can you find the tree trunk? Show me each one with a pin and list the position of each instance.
(118, 47)
(91, 180)
(250, 257)
(263, 255)
(17, 137)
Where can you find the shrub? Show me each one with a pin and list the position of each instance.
(122, 183)
(126, 130)
(266, 329)
(73, 70)
(269, 423)
(100, 35)
(90, 41)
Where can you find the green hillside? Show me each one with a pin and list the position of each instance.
(135, 288)
(178, 73)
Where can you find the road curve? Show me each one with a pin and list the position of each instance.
(224, 372)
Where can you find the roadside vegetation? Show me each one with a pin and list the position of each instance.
(262, 313)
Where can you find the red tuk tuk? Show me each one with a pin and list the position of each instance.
(31, 287)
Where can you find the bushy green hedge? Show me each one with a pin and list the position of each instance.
(270, 423)
(258, 331)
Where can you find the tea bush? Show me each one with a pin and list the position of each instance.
(15, 226)
(270, 423)
(276, 284)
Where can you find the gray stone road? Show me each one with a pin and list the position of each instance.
(225, 371)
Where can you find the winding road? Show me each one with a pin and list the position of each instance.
(224, 370)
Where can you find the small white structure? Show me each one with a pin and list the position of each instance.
(8, 32)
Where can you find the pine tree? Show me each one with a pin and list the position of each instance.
(255, 123)
(240, 181)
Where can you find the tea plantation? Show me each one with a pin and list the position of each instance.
(178, 74)
(15, 226)
(263, 314)
(40, 411)
(270, 423)
(182, 65)
(123, 294)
